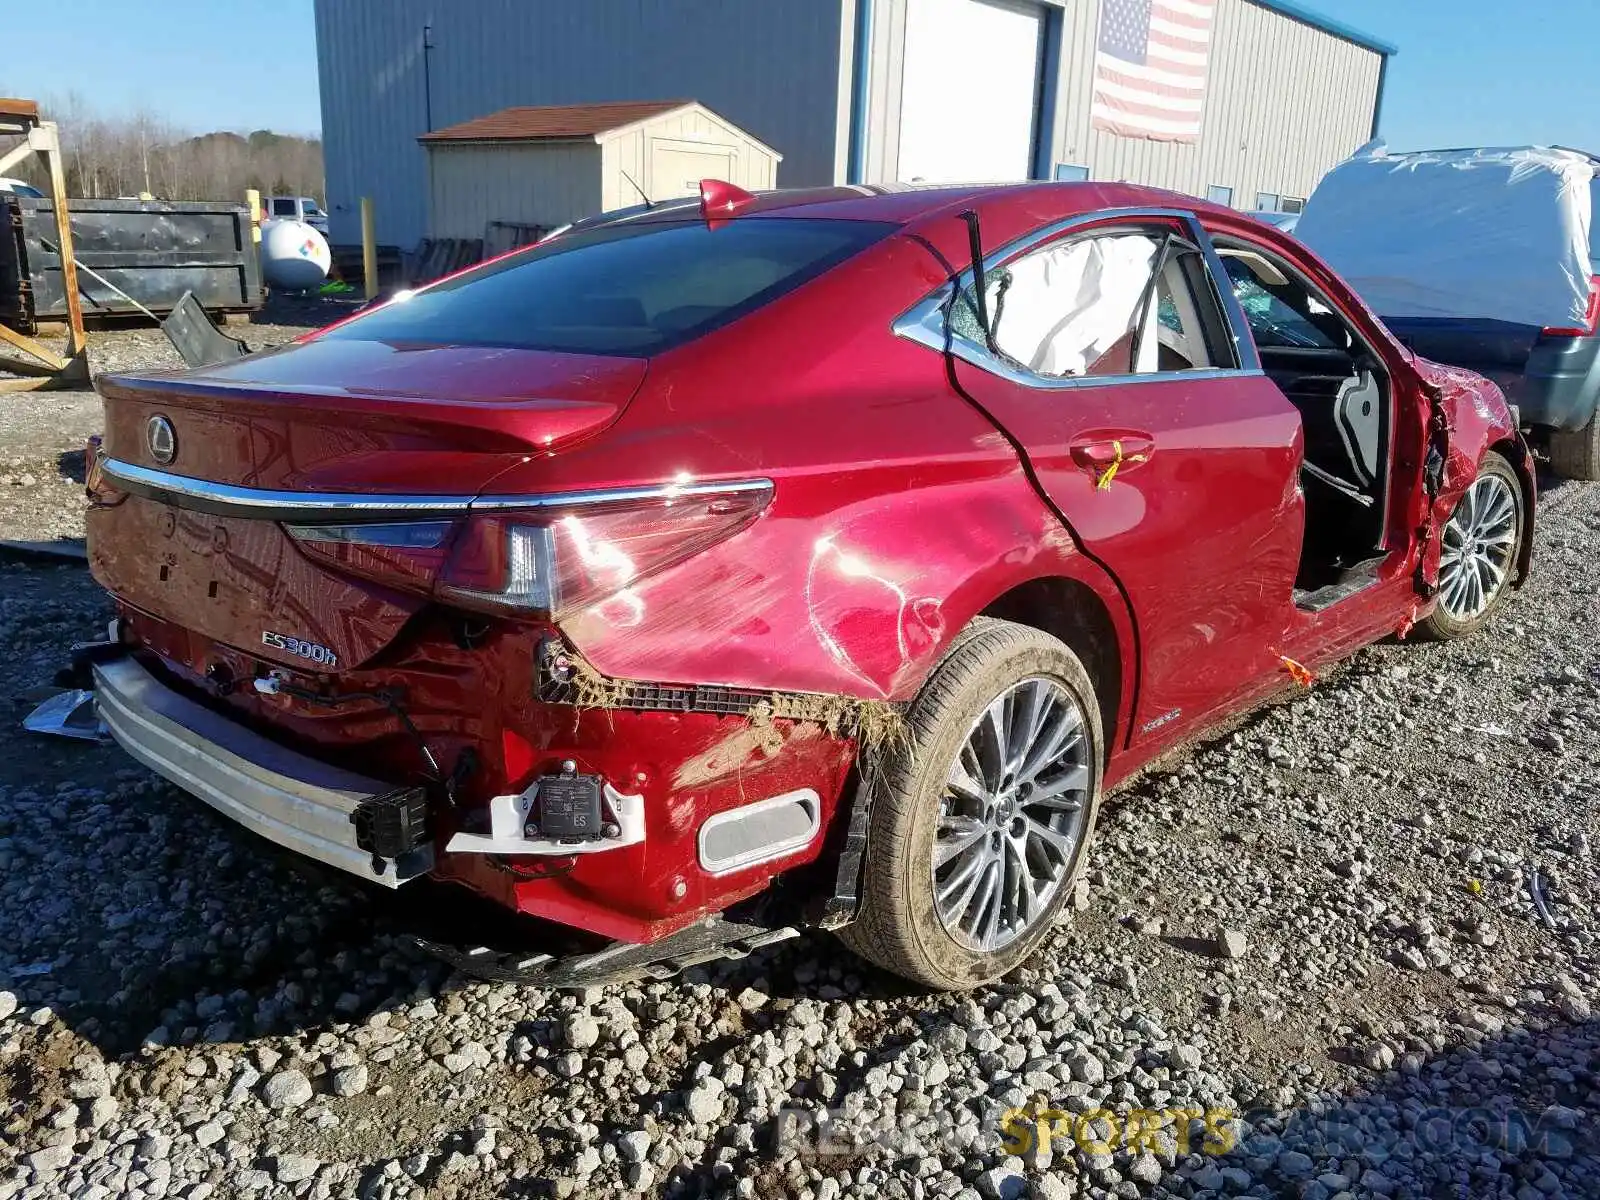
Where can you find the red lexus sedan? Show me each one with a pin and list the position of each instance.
(722, 544)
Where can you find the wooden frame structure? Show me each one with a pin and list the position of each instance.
(43, 367)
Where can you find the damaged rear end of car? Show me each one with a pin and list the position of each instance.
(344, 573)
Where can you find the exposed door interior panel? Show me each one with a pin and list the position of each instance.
(969, 90)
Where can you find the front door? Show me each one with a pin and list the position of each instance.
(1115, 369)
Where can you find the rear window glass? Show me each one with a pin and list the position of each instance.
(633, 288)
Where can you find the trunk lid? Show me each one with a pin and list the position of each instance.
(325, 416)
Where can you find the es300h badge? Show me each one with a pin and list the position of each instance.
(320, 655)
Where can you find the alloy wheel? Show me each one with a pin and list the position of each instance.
(1012, 817)
(1477, 547)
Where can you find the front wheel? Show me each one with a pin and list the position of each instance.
(981, 820)
(1479, 549)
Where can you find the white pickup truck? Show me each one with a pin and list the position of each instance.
(295, 208)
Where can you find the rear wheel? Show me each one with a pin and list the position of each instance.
(1478, 553)
(1577, 455)
(981, 822)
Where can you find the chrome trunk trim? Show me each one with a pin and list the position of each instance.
(228, 499)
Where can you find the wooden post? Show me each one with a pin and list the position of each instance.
(44, 367)
(369, 249)
(69, 264)
(252, 200)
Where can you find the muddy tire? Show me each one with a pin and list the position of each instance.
(1482, 543)
(1577, 455)
(999, 777)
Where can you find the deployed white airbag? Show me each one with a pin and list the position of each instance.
(1068, 305)
(1498, 234)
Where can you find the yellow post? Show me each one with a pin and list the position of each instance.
(252, 199)
(369, 249)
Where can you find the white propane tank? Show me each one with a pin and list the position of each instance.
(294, 255)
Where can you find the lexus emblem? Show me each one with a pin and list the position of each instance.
(162, 439)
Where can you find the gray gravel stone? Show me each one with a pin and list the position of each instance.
(350, 1081)
(581, 1031)
(286, 1089)
(294, 1168)
(1231, 943)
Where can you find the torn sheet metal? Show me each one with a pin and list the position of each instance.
(70, 714)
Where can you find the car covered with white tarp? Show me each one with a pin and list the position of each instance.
(1486, 259)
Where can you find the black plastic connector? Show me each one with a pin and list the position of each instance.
(391, 825)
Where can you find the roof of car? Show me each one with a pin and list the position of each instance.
(900, 203)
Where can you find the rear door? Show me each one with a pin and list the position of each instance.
(1116, 368)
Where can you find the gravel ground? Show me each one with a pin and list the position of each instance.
(1315, 934)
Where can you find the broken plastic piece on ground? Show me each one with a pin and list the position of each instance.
(69, 714)
(1536, 891)
(1298, 672)
(188, 327)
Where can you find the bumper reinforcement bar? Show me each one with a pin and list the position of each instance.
(295, 801)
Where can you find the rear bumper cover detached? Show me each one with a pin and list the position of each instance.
(297, 802)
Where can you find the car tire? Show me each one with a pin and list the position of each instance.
(1475, 533)
(1576, 455)
(1033, 814)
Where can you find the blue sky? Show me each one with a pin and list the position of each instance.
(1469, 72)
(202, 64)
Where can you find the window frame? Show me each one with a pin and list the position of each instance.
(925, 321)
(1212, 197)
(1275, 197)
(1074, 173)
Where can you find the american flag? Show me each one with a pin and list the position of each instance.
(1150, 69)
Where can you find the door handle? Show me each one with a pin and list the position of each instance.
(1106, 455)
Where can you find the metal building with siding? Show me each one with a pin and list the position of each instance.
(846, 90)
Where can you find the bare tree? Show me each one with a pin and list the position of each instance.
(145, 154)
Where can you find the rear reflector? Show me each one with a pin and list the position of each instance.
(1591, 316)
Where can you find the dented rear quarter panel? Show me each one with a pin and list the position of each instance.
(900, 511)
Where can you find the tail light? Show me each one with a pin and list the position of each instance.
(550, 563)
(1591, 316)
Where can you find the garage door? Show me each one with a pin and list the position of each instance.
(677, 169)
(957, 50)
